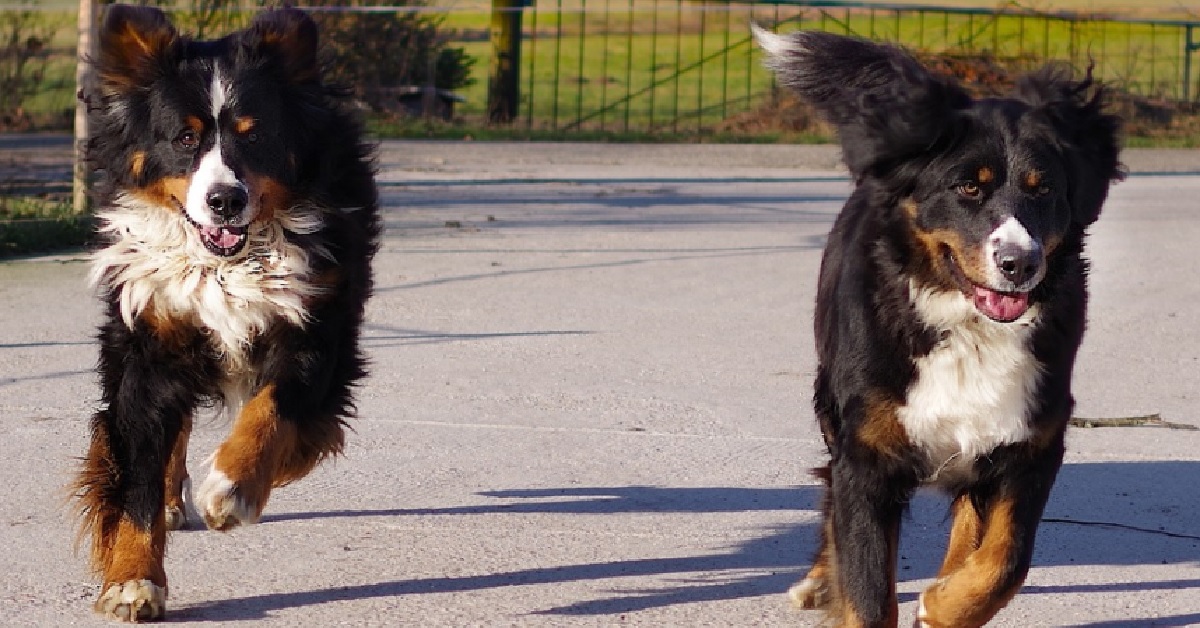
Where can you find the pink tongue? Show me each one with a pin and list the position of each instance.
(1001, 306)
(222, 236)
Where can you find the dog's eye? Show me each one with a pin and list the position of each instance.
(188, 139)
(1043, 190)
(970, 189)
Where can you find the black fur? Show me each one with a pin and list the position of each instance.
(930, 162)
(164, 365)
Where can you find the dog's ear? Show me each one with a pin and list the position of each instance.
(134, 44)
(290, 36)
(886, 106)
(1088, 136)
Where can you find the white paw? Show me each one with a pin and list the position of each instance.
(810, 593)
(221, 505)
(133, 601)
(179, 516)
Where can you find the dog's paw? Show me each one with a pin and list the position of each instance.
(132, 601)
(176, 518)
(222, 504)
(810, 593)
(179, 511)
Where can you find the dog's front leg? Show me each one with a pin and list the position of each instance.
(147, 394)
(291, 424)
(245, 466)
(1000, 520)
(865, 515)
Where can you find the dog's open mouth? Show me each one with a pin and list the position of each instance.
(1002, 307)
(222, 240)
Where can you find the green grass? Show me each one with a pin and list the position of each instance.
(679, 68)
(412, 128)
(31, 225)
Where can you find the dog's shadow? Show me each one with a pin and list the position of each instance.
(1111, 513)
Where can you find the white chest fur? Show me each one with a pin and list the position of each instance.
(972, 392)
(156, 258)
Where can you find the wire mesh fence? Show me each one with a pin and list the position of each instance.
(675, 66)
(684, 67)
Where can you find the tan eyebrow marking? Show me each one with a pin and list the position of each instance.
(985, 175)
(243, 124)
(1033, 179)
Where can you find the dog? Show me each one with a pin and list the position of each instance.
(238, 212)
(950, 305)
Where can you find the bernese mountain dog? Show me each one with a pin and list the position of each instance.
(238, 210)
(950, 306)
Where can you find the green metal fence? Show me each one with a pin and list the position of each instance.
(684, 67)
(675, 66)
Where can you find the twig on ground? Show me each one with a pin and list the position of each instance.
(1149, 420)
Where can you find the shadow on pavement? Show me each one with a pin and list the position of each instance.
(1109, 513)
(779, 554)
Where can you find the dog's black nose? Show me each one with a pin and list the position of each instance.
(1018, 264)
(227, 201)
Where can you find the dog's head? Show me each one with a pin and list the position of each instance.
(990, 187)
(216, 130)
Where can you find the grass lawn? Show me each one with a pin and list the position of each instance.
(613, 64)
(35, 225)
(669, 66)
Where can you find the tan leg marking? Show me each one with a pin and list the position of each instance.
(965, 535)
(244, 466)
(177, 479)
(135, 585)
(972, 594)
(815, 591)
(263, 451)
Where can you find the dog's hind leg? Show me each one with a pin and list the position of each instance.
(984, 580)
(177, 479)
(866, 531)
(813, 592)
(965, 534)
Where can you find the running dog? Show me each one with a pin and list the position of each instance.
(950, 306)
(238, 211)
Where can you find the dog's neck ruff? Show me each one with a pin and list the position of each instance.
(972, 393)
(156, 261)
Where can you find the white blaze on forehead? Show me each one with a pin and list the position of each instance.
(212, 169)
(217, 95)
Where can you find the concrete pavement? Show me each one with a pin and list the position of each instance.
(589, 407)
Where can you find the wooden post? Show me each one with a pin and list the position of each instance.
(85, 51)
(504, 77)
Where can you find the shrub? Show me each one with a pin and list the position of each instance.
(375, 52)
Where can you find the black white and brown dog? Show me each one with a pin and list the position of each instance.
(239, 214)
(950, 306)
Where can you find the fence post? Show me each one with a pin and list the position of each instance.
(1189, 46)
(504, 78)
(85, 51)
